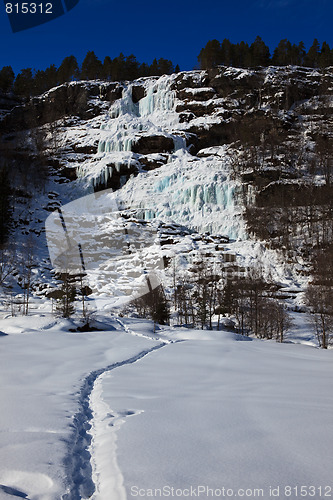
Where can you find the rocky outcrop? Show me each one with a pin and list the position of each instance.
(153, 144)
(196, 94)
(190, 79)
(138, 92)
(215, 107)
(150, 162)
(82, 99)
(8, 102)
(119, 174)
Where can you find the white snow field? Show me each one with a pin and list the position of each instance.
(127, 413)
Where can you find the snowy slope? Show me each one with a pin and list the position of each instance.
(214, 410)
(168, 144)
(117, 413)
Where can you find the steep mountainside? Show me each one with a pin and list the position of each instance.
(237, 160)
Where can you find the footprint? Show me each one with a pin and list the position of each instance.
(126, 413)
(16, 482)
(13, 491)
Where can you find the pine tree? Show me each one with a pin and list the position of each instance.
(107, 68)
(301, 54)
(154, 305)
(39, 82)
(210, 55)
(92, 67)
(226, 53)
(325, 57)
(144, 69)
(51, 76)
(259, 53)
(312, 57)
(7, 77)
(65, 305)
(68, 69)
(154, 70)
(165, 67)
(24, 83)
(45, 80)
(131, 68)
(159, 306)
(118, 67)
(241, 55)
(282, 55)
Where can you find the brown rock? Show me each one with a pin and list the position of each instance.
(138, 92)
(153, 144)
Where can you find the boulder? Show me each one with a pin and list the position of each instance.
(197, 108)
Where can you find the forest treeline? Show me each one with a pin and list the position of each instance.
(29, 82)
(243, 55)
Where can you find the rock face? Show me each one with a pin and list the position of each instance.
(120, 174)
(199, 145)
(209, 108)
(7, 103)
(138, 92)
(225, 91)
(146, 145)
(82, 99)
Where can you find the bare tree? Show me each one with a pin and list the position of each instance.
(320, 300)
(7, 265)
(324, 150)
(282, 320)
(27, 264)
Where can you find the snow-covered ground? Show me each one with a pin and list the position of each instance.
(119, 413)
(126, 412)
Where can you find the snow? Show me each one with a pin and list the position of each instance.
(175, 408)
(41, 377)
(107, 414)
(208, 418)
(119, 256)
(194, 192)
(200, 90)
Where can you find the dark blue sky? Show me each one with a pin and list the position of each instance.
(175, 30)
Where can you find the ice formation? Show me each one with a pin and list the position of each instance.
(128, 119)
(196, 192)
(193, 192)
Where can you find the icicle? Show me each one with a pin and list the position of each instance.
(179, 143)
(159, 98)
(128, 118)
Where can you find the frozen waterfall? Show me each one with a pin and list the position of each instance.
(159, 98)
(198, 194)
(195, 192)
(150, 115)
